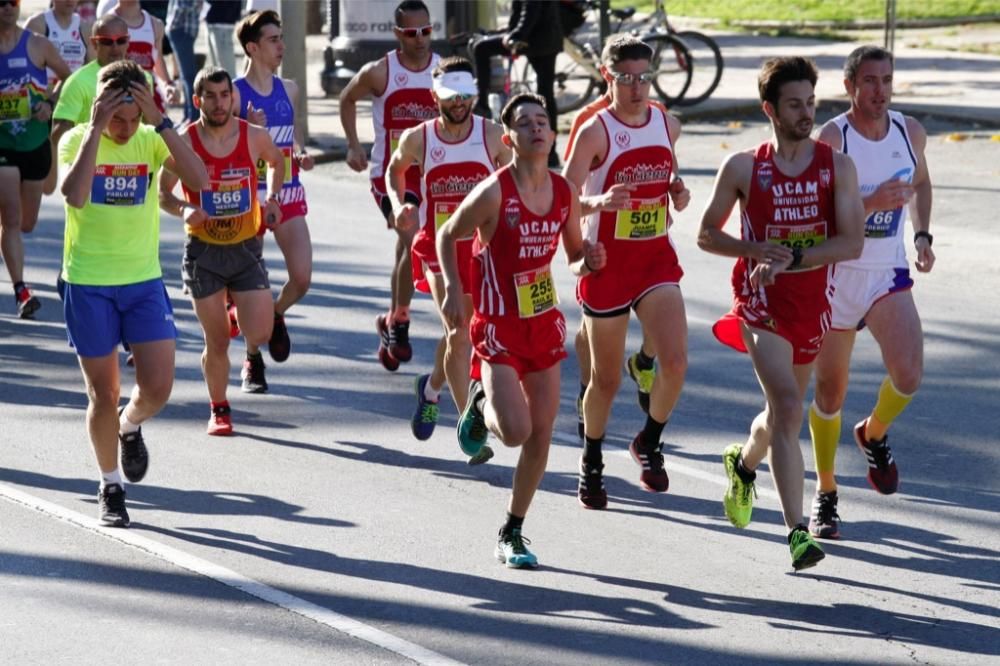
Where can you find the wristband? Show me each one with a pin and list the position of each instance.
(165, 124)
(923, 234)
(585, 263)
(796, 258)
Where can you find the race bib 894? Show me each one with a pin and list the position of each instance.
(120, 184)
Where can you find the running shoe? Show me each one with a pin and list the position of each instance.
(27, 303)
(253, 374)
(579, 418)
(134, 456)
(426, 416)
(220, 423)
(590, 491)
(805, 551)
(882, 473)
(384, 357)
(483, 456)
(653, 477)
(643, 380)
(399, 342)
(280, 345)
(111, 506)
(234, 325)
(472, 431)
(511, 550)
(824, 523)
(738, 500)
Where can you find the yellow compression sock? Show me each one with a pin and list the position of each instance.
(890, 405)
(825, 432)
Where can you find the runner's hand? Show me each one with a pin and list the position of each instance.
(925, 256)
(617, 197)
(256, 116)
(453, 308)
(764, 273)
(143, 98)
(105, 106)
(680, 195)
(407, 218)
(42, 111)
(173, 95)
(890, 195)
(356, 158)
(272, 214)
(306, 161)
(765, 252)
(195, 217)
(595, 257)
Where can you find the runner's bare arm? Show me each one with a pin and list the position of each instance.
(262, 147)
(304, 159)
(680, 195)
(369, 81)
(410, 150)
(500, 153)
(590, 148)
(80, 176)
(583, 256)
(920, 205)
(849, 240)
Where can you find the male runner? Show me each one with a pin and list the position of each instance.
(400, 87)
(874, 291)
(454, 152)
(145, 47)
(114, 287)
(223, 250)
(263, 98)
(25, 155)
(801, 212)
(624, 160)
(518, 334)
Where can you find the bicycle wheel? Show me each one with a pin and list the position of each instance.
(706, 66)
(672, 64)
(573, 87)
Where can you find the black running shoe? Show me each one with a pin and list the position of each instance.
(253, 374)
(385, 357)
(399, 341)
(111, 506)
(824, 523)
(27, 303)
(280, 345)
(591, 492)
(135, 457)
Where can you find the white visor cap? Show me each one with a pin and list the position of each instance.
(450, 84)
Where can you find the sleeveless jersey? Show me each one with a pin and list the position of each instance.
(280, 125)
(794, 212)
(231, 197)
(142, 43)
(405, 103)
(68, 41)
(22, 85)
(512, 274)
(891, 158)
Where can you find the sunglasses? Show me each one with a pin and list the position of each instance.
(457, 98)
(109, 41)
(413, 32)
(630, 79)
(9, 3)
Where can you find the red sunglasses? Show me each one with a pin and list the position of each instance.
(413, 32)
(109, 41)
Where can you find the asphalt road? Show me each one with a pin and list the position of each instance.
(363, 545)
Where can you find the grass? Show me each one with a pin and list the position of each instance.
(818, 10)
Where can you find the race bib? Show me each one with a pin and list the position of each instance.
(883, 223)
(120, 184)
(800, 236)
(536, 292)
(642, 219)
(227, 198)
(442, 212)
(286, 152)
(14, 105)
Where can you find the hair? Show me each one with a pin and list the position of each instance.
(409, 6)
(248, 29)
(107, 20)
(861, 55)
(120, 75)
(776, 72)
(211, 74)
(520, 99)
(453, 64)
(625, 47)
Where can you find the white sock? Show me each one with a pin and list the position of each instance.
(124, 425)
(430, 394)
(109, 478)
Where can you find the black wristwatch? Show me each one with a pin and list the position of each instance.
(923, 234)
(165, 124)
(796, 258)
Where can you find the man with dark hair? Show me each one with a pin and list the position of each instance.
(25, 152)
(874, 290)
(800, 213)
(624, 161)
(223, 252)
(263, 98)
(454, 152)
(114, 287)
(400, 87)
(517, 332)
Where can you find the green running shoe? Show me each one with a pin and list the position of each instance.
(805, 551)
(643, 380)
(483, 456)
(472, 431)
(738, 500)
(511, 551)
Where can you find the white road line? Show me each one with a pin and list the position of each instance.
(336, 621)
(672, 466)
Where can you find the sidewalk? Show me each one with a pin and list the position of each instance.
(958, 86)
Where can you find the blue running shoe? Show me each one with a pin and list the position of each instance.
(426, 416)
(472, 431)
(511, 551)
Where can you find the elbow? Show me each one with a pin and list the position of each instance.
(704, 241)
(73, 199)
(855, 248)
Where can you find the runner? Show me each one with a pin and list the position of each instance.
(114, 289)
(517, 331)
(25, 155)
(400, 87)
(223, 249)
(145, 47)
(454, 152)
(800, 213)
(263, 98)
(624, 160)
(641, 366)
(874, 291)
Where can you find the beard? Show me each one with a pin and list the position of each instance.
(796, 132)
(211, 121)
(456, 116)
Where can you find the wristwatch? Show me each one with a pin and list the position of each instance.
(165, 124)
(923, 234)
